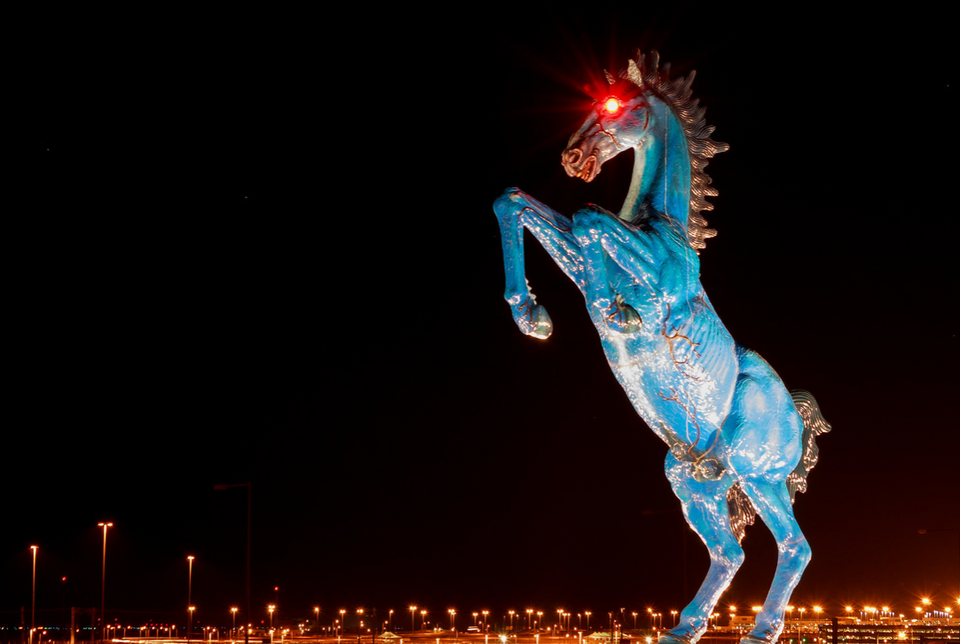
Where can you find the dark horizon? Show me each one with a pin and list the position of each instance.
(249, 251)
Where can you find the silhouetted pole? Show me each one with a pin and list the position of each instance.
(249, 486)
(103, 582)
(33, 594)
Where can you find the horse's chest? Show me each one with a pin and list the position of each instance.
(679, 378)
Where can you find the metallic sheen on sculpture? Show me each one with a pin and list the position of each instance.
(740, 444)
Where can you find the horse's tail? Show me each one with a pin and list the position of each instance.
(814, 424)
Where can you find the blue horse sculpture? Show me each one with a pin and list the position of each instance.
(739, 444)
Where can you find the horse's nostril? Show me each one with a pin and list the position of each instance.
(572, 156)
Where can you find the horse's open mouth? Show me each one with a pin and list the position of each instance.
(588, 170)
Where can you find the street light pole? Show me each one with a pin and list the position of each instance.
(33, 594)
(189, 596)
(103, 581)
(249, 486)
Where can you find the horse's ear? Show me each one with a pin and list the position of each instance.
(633, 74)
(610, 79)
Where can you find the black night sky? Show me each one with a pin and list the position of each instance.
(261, 248)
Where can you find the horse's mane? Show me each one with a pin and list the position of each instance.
(644, 73)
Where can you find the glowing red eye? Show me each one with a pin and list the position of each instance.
(612, 105)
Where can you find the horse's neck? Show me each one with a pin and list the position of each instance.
(661, 171)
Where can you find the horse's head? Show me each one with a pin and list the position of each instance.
(657, 116)
(617, 122)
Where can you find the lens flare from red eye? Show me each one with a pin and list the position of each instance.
(612, 105)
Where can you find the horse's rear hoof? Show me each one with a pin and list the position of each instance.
(753, 639)
(667, 638)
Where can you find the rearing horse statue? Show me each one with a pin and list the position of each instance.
(739, 443)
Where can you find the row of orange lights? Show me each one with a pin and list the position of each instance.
(733, 608)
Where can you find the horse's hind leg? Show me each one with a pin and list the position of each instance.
(705, 508)
(763, 432)
(772, 502)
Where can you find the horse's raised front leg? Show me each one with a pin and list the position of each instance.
(515, 211)
(706, 510)
(601, 234)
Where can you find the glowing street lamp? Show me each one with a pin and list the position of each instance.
(316, 609)
(530, 618)
(413, 618)
(511, 614)
(485, 613)
(674, 613)
(270, 609)
(634, 620)
(588, 614)
(233, 629)
(453, 619)
(390, 620)
(423, 620)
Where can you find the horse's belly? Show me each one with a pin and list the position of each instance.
(680, 380)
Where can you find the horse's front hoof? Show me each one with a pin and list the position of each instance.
(535, 322)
